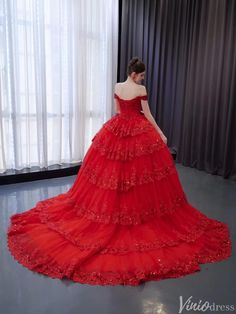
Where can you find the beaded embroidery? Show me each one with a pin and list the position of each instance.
(195, 232)
(119, 153)
(191, 235)
(111, 179)
(135, 125)
(41, 263)
(118, 216)
(122, 217)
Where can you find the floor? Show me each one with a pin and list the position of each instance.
(26, 292)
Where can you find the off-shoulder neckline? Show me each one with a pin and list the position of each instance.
(131, 98)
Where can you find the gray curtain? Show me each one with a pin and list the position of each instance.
(188, 47)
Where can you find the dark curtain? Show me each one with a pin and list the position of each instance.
(188, 47)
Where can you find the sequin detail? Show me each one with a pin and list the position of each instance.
(119, 215)
(120, 152)
(39, 262)
(111, 179)
(191, 234)
(136, 124)
(122, 217)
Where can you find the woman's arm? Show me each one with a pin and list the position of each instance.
(153, 122)
(148, 115)
(117, 106)
(116, 102)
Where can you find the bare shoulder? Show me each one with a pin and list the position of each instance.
(143, 90)
(121, 88)
(117, 86)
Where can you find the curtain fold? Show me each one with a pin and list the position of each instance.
(58, 66)
(190, 55)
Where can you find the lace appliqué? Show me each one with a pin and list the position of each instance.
(122, 217)
(137, 124)
(191, 235)
(111, 179)
(39, 262)
(120, 153)
(118, 216)
(188, 234)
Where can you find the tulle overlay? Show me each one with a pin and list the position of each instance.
(125, 220)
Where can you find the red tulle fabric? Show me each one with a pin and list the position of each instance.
(125, 220)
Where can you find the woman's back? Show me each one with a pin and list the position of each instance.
(128, 90)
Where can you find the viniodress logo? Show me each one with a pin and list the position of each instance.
(203, 306)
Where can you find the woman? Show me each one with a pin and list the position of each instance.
(130, 88)
(126, 219)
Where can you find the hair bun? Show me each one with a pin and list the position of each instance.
(134, 60)
(135, 65)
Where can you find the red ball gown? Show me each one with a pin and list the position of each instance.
(126, 218)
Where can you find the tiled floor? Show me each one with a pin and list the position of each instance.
(26, 292)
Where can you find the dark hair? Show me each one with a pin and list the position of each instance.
(135, 65)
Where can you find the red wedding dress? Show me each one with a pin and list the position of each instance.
(125, 220)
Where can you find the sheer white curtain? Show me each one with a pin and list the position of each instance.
(58, 63)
